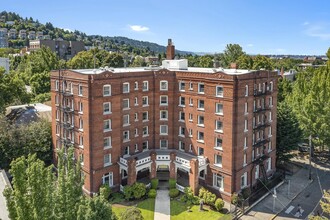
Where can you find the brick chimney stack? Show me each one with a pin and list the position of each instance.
(170, 50)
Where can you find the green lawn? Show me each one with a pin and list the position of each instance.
(147, 208)
(179, 212)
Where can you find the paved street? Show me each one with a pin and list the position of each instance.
(3, 207)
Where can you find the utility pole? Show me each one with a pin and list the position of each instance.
(310, 157)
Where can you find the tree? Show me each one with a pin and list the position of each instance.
(96, 208)
(288, 132)
(40, 83)
(138, 62)
(114, 60)
(262, 62)
(310, 102)
(244, 62)
(32, 196)
(230, 55)
(131, 213)
(284, 89)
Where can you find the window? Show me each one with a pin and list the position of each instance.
(201, 88)
(269, 164)
(182, 86)
(253, 155)
(190, 117)
(269, 146)
(200, 136)
(57, 115)
(163, 144)
(256, 174)
(107, 125)
(81, 107)
(145, 131)
(136, 86)
(218, 143)
(244, 180)
(218, 108)
(163, 115)
(145, 86)
(136, 147)
(81, 159)
(106, 90)
(200, 151)
(245, 108)
(218, 160)
(181, 116)
(144, 116)
(181, 145)
(136, 132)
(126, 87)
(163, 129)
(107, 160)
(191, 86)
(81, 124)
(57, 129)
(270, 116)
(107, 142)
(218, 181)
(136, 117)
(145, 145)
(200, 120)
(254, 106)
(126, 151)
(126, 120)
(259, 87)
(191, 102)
(136, 101)
(219, 91)
(145, 101)
(246, 90)
(182, 101)
(190, 147)
(163, 100)
(200, 105)
(125, 104)
(163, 85)
(218, 126)
(80, 90)
(269, 131)
(107, 179)
(190, 132)
(181, 131)
(245, 142)
(126, 136)
(245, 125)
(271, 101)
(81, 141)
(57, 85)
(244, 160)
(106, 108)
(271, 87)
(56, 100)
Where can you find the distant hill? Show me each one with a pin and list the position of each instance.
(117, 43)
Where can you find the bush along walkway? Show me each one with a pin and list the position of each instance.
(162, 205)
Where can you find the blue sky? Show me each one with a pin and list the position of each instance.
(259, 26)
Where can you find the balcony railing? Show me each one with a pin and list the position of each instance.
(67, 125)
(261, 125)
(180, 188)
(123, 161)
(183, 162)
(256, 92)
(67, 109)
(260, 159)
(67, 93)
(261, 142)
(260, 109)
(143, 161)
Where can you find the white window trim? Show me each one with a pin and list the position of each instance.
(108, 175)
(136, 86)
(214, 183)
(180, 87)
(109, 90)
(191, 86)
(147, 98)
(180, 99)
(126, 108)
(109, 112)
(127, 124)
(160, 100)
(147, 134)
(217, 164)
(160, 144)
(128, 89)
(199, 92)
(216, 91)
(110, 161)
(216, 108)
(110, 144)
(126, 140)
(110, 126)
(80, 90)
(160, 130)
(145, 120)
(147, 83)
(160, 85)
(160, 115)
(215, 144)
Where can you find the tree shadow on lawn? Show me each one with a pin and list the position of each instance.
(147, 207)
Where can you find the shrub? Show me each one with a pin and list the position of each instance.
(154, 183)
(172, 183)
(189, 197)
(234, 199)
(152, 193)
(132, 213)
(128, 192)
(105, 191)
(208, 197)
(173, 193)
(139, 190)
(116, 197)
(219, 204)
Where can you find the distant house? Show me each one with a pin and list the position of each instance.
(22, 34)
(25, 114)
(39, 35)
(3, 38)
(12, 34)
(10, 23)
(4, 62)
(32, 35)
(290, 75)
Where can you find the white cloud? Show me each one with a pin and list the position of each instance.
(321, 31)
(305, 23)
(249, 45)
(138, 28)
(67, 29)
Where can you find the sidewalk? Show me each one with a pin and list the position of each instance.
(162, 205)
(3, 208)
(270, 206)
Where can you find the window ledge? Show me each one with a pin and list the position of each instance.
(80, 112)
(245, 130)
(81, 146)
(180, 120)
(162, 104)
(145, 120)
(136, 135)
(125, 125)
(106, 148)
(163, 119)
(145, 135)
(191, 105)
(190, 136)
(201, 125)
(218, 131)
(201, 92)
(136, 104)
(218, 165)
(107, 130)
(80, 129)
(107, 164)
(219, 96)
(190, 120)
(200, 109)
(107, 113)
(124, 109)
(218, 113)
(218, 148)
(147, 105)
(244, 164)
(200, 141)
(181, 135)
(182, 106)
(163, 134)
(125, 141)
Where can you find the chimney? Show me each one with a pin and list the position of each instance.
(233, 66)
(170, 50)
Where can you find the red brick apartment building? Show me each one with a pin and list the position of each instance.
(209, 127)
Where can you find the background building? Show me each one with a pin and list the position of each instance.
(64, 49)
(4, 62)
(3, 37)
(209, 127)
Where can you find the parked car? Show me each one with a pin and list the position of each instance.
(303, 147)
